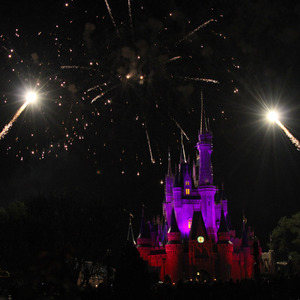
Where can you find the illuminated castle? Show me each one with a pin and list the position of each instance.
(196, 241)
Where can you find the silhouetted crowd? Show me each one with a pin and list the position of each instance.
(264, 289)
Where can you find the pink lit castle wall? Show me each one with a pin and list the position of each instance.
(196, 241)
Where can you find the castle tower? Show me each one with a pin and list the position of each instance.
(130, 235)
(246, 257)
(170, 191)
(169, 181)
(201, 258)
(144, 239)
(206, 188)
(225, 249)
(204, 147)
(174, 251)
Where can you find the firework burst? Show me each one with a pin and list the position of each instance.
(115, 77)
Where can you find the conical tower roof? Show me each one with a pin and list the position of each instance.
(198, 227)
(164, 236)
(223, 226)
(244, 237)
(173, 225)
(228, 222)
(170, 173)
(144, 228)
(130, 235)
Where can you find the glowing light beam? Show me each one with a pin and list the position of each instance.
(288, 134)
(273, 117)
(11, 122)
(30, 97)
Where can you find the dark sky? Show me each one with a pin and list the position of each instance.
(253, 48)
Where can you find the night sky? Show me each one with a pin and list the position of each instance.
(117, 85)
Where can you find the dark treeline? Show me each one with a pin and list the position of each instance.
(58, 226)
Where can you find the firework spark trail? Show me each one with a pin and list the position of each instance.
(70, 67)
(97, 97)
(183, 150)
(289, 135)
(130, 16)
(181, 130)
(102, 94)
(97, 86)
(94, 88)
(15, 117)
(199, 79)
(149, 146)
(174, 58)
(111, 17)
(195, 30)
(78, 67)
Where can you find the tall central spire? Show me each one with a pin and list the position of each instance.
(204, 147)
(203, 122)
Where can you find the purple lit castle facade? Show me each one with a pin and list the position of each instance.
(196, 240)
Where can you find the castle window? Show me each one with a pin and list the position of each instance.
(190, 223)
(187, 183)
(187, 191)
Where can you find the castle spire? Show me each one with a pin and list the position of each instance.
(170, 173)
(173, 225)
(204, 147)
(204, 128)
(244, 232)
(223, 226)
(144, 229)
(130, 235)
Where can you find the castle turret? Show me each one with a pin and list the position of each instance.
(174, 251)
(169, 181)
(170, 190)
(144, 238)
(204, 147)
(225, 249)
(246, 258)
(130, 235)
(206, 188)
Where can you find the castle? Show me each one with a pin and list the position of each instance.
(197, 241)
